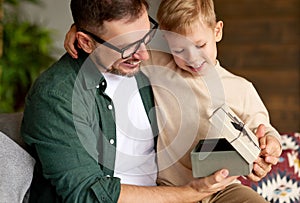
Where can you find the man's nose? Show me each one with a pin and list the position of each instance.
(141, 53)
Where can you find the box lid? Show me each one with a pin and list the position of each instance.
(230, 127)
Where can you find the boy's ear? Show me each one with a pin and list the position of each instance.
(219, 31)
(85, 42)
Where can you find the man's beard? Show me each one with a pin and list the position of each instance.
(115, 71)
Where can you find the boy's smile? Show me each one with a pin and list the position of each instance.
(196, 67)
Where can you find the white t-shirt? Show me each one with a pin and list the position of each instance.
(135, 155)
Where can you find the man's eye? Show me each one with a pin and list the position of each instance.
(178, 51)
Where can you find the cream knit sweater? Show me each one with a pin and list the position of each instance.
(185, 103)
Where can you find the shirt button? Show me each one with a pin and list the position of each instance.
(110, 107)
(97, 86)
(108, 176)
(111, 141)
(103, 83)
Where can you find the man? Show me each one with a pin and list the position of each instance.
(93, 143)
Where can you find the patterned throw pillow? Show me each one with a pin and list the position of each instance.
(282, 184)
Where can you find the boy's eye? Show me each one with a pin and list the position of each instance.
(178, 51)
(200, 46)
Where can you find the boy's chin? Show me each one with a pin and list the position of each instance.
(195, 71)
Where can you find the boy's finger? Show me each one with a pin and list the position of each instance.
(260, 134)
(272, 160)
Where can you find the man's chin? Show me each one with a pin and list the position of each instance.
(125, 71)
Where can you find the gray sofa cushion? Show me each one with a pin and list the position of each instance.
(10, 124)
(17, 165)
(16, 170)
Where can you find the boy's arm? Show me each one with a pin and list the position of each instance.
(256, 117)
(255, 113)
(69, 42)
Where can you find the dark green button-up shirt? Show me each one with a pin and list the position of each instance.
(69, 124)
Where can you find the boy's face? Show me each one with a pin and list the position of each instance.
(197, 50)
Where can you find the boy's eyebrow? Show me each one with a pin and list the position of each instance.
(199, 41)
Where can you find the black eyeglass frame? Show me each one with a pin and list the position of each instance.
(122, 51)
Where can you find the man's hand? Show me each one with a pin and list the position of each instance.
(194, 191)
(69, 42)
(214, 183)
(269, 155)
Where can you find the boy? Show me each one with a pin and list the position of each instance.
(191, 31)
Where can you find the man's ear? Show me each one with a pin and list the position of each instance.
(85, 42)
(219, 31)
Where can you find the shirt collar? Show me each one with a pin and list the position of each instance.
(91, 76)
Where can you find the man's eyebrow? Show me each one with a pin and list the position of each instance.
(131, 43)
(123, 45)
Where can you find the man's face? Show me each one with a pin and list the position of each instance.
(197, 50)
(121, 33)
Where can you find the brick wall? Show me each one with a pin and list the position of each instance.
(261, 42)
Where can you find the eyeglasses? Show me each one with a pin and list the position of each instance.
(130, 49)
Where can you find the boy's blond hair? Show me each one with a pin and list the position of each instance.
(179, 15)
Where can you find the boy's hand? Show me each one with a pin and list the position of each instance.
(69, 42)
(270, 153)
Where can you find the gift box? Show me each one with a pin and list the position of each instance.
(234, 147)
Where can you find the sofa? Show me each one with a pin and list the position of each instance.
(282, 184)
(17, 165)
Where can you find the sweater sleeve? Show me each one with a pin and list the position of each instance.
(255, 112)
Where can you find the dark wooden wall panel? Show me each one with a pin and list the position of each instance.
(261, 42)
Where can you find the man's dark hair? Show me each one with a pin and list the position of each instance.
(90, 14)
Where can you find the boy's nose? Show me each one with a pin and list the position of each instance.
(195, 63)
(191, 54)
